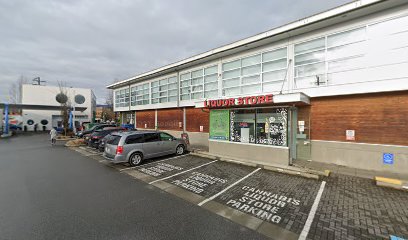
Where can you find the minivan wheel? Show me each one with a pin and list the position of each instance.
(135, 159)
(180, 150)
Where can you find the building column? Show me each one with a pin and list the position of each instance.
(184, 120)
(135, 120)
(155, 119)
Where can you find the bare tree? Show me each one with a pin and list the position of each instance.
(62, 98)
(108, 112)
(16, 89)
(13, 93)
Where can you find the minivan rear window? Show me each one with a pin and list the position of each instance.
(132, 139)
(114, 140)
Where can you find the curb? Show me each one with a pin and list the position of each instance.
(312, 174)
(391, 183)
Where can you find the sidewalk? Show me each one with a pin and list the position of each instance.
(310, 169)
(319, 166)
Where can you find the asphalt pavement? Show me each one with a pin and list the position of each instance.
(55, 193)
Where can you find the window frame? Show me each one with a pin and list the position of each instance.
(260, 74)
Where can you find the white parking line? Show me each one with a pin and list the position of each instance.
(226, 189)
(312, 213)
(144, 165)
(161, 179)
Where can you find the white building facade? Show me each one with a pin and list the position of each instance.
(46, 95)
(336, 84)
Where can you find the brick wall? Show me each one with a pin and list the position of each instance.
(170, 119)
(376, 118)
(197, 117)
(145, 117)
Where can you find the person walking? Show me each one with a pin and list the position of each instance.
(53, 134)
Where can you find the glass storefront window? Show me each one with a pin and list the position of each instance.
(271, 126)
(266, 126)
(242, 125)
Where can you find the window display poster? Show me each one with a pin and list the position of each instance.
(219, 124)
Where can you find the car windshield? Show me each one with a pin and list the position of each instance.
(114, 140)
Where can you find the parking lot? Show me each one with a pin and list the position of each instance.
(275, 204)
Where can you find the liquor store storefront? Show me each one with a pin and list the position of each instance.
(259, 129)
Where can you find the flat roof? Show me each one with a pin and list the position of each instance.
(358, 7)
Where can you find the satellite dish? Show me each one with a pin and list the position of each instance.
(61, 98)
(79, 99)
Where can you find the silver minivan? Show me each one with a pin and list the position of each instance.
(133, 147)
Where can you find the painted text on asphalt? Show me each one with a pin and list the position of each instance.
(262, 204)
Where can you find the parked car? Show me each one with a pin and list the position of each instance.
(87, 137)
(134, 147)
(106, 138)
(97, 136)
(103, 142)
(93, 129)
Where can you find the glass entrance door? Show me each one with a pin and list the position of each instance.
(303, 144)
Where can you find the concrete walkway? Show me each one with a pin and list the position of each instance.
(319, 166)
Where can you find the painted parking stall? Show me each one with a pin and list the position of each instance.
(159, 169)
(273, 197)
(171, 166)
(210, 179)
(277, 205)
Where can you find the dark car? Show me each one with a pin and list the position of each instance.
(102, 143)
(93, 129)
(96, 137)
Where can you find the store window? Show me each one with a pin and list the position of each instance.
(122, 98)
(310, 63)
(353, 55)
(271, 126)
(140, 94)
(242, 125)
(164, 90)
(264, 72)
(133, 96)
(266, 126)
(201, 83)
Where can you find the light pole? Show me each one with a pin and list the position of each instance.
(73, 112)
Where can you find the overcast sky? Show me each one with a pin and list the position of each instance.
(90, 43)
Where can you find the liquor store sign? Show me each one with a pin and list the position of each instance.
(240, 101)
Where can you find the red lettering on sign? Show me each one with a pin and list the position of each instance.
(261, 99)
(254, 100)
(250, 100)
(269, 98)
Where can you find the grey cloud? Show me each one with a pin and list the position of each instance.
(90, 43)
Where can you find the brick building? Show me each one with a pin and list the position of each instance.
(332, 88)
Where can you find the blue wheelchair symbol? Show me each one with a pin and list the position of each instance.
(388, 158)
